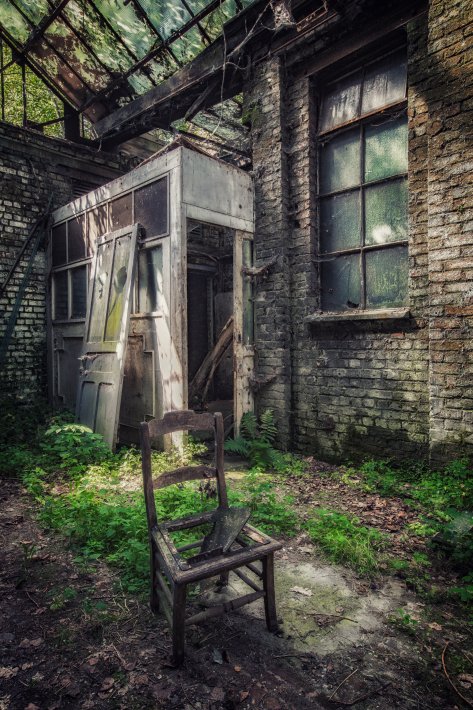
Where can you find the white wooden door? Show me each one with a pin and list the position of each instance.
(106, 332)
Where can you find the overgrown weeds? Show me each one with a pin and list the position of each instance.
(345, 541)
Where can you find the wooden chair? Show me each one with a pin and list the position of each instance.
(170, 571)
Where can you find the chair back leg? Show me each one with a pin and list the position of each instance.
(154, 599)
(269, 597)
(178, 623)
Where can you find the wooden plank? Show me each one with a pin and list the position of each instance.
(186, 473)
(181, 420)
(203, 377)
(223, 608)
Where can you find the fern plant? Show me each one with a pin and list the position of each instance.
(256, 441)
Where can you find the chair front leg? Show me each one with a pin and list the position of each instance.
(269, 597)
(178, 623)
(154, 599)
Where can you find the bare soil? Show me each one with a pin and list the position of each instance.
(71, 638)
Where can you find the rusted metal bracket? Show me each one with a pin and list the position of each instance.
(258, 383)
(255, 271)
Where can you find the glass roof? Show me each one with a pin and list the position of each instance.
(101, 54)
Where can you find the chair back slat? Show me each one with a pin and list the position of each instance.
(187, 420)
(186, 473)
(181, 421)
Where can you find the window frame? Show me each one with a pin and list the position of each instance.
(388, 112)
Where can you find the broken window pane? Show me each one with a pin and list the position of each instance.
(340, 282)
(340, 162)
(79, 292)
(58, 245)
(117, 288)
(340, 224)
(76, 239)
(386, 212)
(386, 149)
(120, 212)
(150, 280)
(151, 207)
(61, 309)
(386, 278)
(385, 82)
(341, 103)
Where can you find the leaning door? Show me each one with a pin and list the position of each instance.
(106, 332)
(243, 333)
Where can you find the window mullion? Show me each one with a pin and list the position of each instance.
(362, 217)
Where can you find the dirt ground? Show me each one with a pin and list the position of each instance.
(71, 638)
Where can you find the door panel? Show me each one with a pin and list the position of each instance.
(106, 332)
(243, 310)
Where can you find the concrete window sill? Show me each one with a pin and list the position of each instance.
(351, 316)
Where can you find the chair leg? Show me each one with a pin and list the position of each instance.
(222, 581)
(154, 599)
(269, 597)
(178, 623)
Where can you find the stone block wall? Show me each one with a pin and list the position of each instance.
(385, 388)
(32, 169)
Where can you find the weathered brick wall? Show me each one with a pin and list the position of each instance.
(33, 168)
(383, 388)
(448, 93)
(264, 103)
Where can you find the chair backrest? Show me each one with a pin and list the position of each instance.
(185, 420)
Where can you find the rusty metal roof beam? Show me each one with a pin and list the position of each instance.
(53, 49)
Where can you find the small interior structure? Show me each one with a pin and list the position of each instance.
(181, 339)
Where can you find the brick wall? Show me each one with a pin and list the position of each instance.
(33, 168)
(384, 388)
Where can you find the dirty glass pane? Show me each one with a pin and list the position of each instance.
(120, 212)
(76, 238)
(16, 24)
(340, 222)
(341, 283)
(61, 310)
(341, 103)
(166, 17)
(248, 317)
(385, 82)
(35, 11)
(98, 223)
(340, 162)
(151, 207)
(386, 278)
(117, 288)
(104, 261)
(97, 35)
(386, 149)
(386, 212)
(79, 292)
(133, 30)
(58, 245)
(188, 46)
(150, 280)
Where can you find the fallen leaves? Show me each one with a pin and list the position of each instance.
(302, 590)
(8, 672)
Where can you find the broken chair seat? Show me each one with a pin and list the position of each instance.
(231, 544)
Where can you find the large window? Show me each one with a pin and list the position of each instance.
(362, 187)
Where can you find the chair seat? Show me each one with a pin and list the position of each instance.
(181, 572)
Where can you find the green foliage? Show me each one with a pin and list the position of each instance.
(272, 513)
(465, 591)
(403, 621)
(343, 540)
(73, 447)
(256, 443)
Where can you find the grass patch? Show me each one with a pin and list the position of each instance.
(345, 541)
